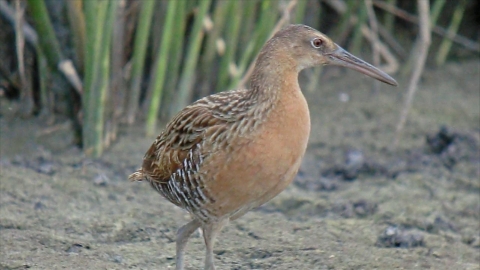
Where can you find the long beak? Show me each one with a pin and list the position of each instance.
(341, 57)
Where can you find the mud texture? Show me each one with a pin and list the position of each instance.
(356, 203)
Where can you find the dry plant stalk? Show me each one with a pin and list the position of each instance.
(26, 90)
(67, 68)
(28, 31)
(391, 41)
(375, 46)
(30, 36)
(391, 61)
(421, 50)
(115, 107)
(435, 11)
(49, 44)
(461, 40)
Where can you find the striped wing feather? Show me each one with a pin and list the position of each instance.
(173, 162)
(183, 135)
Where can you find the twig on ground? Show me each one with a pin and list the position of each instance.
(52, 129)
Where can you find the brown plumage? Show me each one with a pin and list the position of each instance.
(230, 152)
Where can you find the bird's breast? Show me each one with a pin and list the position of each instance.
(261, 165)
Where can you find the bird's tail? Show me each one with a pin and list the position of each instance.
(137, 176)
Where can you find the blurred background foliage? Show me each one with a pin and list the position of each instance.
(107, 63)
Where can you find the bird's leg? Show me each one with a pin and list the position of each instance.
(182, 238)
(210, 233)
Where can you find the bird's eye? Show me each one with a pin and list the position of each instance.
(317, 42)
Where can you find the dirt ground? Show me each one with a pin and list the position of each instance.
(356, 203)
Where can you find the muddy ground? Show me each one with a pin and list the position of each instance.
(356, 203)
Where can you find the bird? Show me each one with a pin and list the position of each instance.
(233, 151)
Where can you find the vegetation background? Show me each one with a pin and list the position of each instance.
(110, 63)
(390, 180)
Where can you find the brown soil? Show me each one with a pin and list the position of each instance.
(356, 204)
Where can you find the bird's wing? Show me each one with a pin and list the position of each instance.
(178, 149)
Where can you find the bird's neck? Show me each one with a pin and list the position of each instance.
(279, 105)
(273, 80)
(273, 87)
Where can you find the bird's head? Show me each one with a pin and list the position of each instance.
(306, 47)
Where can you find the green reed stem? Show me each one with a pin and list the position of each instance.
(162, 61)
(175, 55)
(344, 28)
(389, 19)
(104, 78)
(139, 52)
(258, 39)
(248, 24)
(300, 9)
(76, 21)
(96, 13)
(267, 21)
(357, 33)
(47, 39)
(446, 44)
(220, 14)
(188, 73)
(233, 29)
